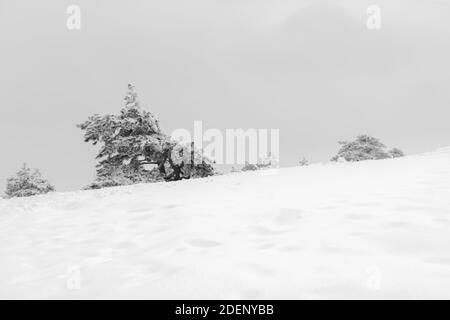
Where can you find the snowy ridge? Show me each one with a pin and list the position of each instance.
(374, 229)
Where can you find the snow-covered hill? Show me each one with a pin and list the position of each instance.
(375, 229)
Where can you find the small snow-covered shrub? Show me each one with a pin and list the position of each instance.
(267, 163)
(365, 147)
(249, 167)
(303, 162)
(27, 183)
(396, 153)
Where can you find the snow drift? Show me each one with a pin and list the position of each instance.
(373, 229)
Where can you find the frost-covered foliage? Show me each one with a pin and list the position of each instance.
(131, 142)
(125, 175)
(365, 147)
(27, 183)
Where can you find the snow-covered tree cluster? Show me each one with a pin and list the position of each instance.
(134, 149)
(27, 183)
(365, 147)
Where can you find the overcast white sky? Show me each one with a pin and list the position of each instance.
(309, 68)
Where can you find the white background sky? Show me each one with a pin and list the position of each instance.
(309, 68)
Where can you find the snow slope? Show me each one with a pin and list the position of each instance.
(375, 229)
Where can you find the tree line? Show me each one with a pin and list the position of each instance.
(133, 149)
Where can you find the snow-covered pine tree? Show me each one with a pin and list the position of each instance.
(133, 140)
(27, 183)
(364, 147)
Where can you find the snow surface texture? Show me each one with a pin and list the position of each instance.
(374, 229)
